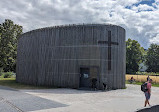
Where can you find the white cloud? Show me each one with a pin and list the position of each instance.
(155, 39)
(142, 7)
(140, 24)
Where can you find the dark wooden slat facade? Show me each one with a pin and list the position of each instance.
(53, 56)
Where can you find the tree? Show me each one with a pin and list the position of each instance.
(9, 33)
(134, 56)
(152, 58)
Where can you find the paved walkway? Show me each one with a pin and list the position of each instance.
(72, 100)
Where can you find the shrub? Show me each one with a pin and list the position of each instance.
(1, 71)
(1, 74)
(7, 75)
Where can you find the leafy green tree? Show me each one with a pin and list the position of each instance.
(134, 56)
(152, 58)
(9, 33)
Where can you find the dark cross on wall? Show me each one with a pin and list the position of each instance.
(109, 42)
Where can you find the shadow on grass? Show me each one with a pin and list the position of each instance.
(11, 82)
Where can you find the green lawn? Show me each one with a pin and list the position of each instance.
(139, 83)
(11, 82)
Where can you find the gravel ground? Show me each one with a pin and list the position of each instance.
(72, 100)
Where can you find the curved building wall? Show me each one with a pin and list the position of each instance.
(58, 56)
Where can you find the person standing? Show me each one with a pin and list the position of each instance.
(148, 92)
(148, 78)
(94, 83)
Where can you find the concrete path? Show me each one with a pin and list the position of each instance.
(12, 100)
(72, 100)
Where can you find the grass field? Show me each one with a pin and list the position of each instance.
(143, 78)
(139, 83)
(11, 82)
(139, 79)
